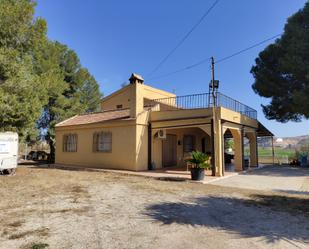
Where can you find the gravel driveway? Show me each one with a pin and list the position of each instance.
(77, 209)
(292, 180)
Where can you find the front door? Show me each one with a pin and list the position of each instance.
(169, 155)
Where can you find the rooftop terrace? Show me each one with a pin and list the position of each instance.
(205, 100)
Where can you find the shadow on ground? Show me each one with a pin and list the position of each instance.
(292, 192)
(44, 165)
(33, 163)
(272, 217)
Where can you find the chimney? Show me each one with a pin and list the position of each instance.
(135, 78)
(137, 98)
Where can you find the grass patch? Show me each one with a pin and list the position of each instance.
(267, 152)
(279, 152)
(39, 246)
(35, 246)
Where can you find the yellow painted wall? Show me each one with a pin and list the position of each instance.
(142, 122)
(127, 96)
(123, 155)
(137, 100)
(121, 97)
(236, 117)
(238, 149)
(156, 155)
(253, 148)
(181, 155)
(141, 147)
(178, 114)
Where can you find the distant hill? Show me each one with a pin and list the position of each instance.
(285, 142)
(304, 142)
(292, 142)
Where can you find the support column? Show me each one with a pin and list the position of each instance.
(238, 149)
(273, 149)
(253, 149)
(213, 153)
(218, 148)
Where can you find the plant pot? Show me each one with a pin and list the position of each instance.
(197, 174)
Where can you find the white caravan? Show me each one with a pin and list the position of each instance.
(8, 152)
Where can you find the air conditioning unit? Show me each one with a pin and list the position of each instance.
(162, 134)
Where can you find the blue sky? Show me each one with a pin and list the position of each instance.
(114, 38)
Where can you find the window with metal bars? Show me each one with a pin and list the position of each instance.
(70, 143)
(102, 142)
(188, 143)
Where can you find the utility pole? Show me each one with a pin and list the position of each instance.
(214, 133)
(213, 81)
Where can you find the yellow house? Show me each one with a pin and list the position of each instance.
(142, 128)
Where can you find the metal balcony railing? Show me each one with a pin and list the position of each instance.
(203, 100)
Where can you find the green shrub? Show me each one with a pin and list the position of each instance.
(39, 246)
(199, 160)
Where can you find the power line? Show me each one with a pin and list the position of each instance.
(246, 49)
(181, 70)
(184, 38)
(218, 61)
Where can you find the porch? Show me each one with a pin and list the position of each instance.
(180, 125)
(170, 151)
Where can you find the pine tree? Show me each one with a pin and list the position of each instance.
(22, 92)
(41, 82)
(282, 71)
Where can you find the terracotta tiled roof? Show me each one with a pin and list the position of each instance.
(95, 117)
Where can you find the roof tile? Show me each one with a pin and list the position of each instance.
(95, 117)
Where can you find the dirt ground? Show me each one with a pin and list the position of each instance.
(52, 208)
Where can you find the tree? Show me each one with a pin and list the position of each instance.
(282, 71)
(22, 92)
(41, 82)
(229, 144)
(72, 90)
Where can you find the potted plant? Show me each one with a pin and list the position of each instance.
(198, 163)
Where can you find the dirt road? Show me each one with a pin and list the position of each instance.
(54, 208)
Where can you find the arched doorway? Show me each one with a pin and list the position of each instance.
(233, 149)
